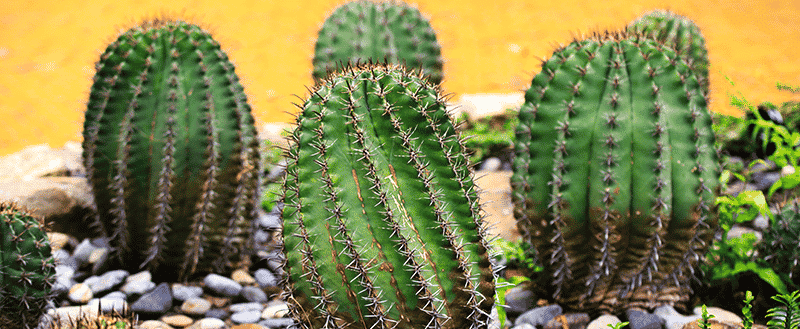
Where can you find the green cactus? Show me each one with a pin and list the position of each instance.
(382, 226)
(362, 31)
(26, 268)
(615, 173)
(780, 246)
(680, 33)
(171, 152)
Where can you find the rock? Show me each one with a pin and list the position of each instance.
(643, 320)
(672, 318)
(720, 315)
(159, 300)
(603, 322)
(265, 278)
(177, 320)
(269, 221)
(222, 285)
(60, 240)
(276, 323)
(108, 304)
(248, 326)
(569, 320)
(64, 279)
(712, 324)
(242, 277)
(116, 295)
(491, 164)
(539, 316)
(80, 293)
(764, 180)
(242, 307)
(738, 231)
(207, 323)
(761, 223)
(217, 313)
(154, 324)
(137, 288)
(83, 251)
(184, 293)
(276, 309)
(254, 294)
(524, 326)
(246, 316)
(195, 306)
(477, 106)
(63, 315)
(519, 300)
(98, 259)
(107, 281)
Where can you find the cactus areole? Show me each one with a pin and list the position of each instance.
(615, 173)
(171, 152)
(382, 226)
(363, 31)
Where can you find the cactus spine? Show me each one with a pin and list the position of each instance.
(362, 31)
(382, 226)
(615, 172)
(26, 268)
(680, 33)
(171, 151)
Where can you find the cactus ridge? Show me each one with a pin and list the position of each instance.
(680, 33)
(170, 150)
(362, 31)
(615, 171)
(373, 196)
(27, 268)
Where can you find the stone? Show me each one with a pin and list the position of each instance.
(116, 295)
(242, 307)
(519, 300)
(60, 240)
(246, 316)
(738, 231)
(141, 276)
(269, 221)
(276, 323)
(712, 324)
(277, 309)
(764, 180)
(761, 223)
(98, 259)
(207, 323)
(539, 316)
(80, 293)
(242, 277)
(217, 313)
(83, 251)
(254, 294)
(720, 315)
(107, 281)
(154, 324)
(642, 320)
(672, 318)
(63, 315)
(184, 293)
(524, 326)
(603, 322)
(248, 326)
(222, 285)
(159, 300)
(195, 306)
(108, 304)
(177, 320)
(265, 278)
(569, 320)
(491, 164)
(137, 288)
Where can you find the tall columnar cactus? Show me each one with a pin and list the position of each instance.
(382, 226)
(615, 173)
(26, 268)
(362, 31)
(680, 33)
(171, 152)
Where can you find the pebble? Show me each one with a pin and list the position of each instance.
(80, 293)
(248, 326)
(672, 318)
(208, 323)
(154, 324)
(539, 316)
(491, 164)
(177, 320)
(222, 285)
(643, 320)
(603, 322)
(277, 323)
(519, 300)
(57, 240)
(254, 294)
(720, 315)
(217, 313)
(275, 310)
(196, 306)
(246, 316)
(108, 304)
(159, 300)
(243, 307)
(184, 293)
(83, 250)
(265, 278)
(106, 281)
(242, 277)
(569, 320)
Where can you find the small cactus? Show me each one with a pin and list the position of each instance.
(26, 268)
(362, 31)
(382, 226)
(171, 152)
(615, 173)
(680, 33)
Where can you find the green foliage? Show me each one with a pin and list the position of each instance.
(26, 268)
(366, 31)
(517, 254)
(615, 173)
(382, 224)
(703, 321)
(171, 152)
(780, 247)
(618, 325)
(747, 321)
(490, 136)
(270, 196)
(502, 286)
(787, 316)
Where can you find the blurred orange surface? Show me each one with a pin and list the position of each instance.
(48, 49)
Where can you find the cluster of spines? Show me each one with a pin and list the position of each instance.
(379, 191)
(365, 31)
(26, 268)
(179, 186)
(627, 56)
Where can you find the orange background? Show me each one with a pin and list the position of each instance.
(48, 49)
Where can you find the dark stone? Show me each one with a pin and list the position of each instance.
(159, 300)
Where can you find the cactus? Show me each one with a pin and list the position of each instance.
(382, 226)
(680, 33)
(780, 246)
(171, 152)
(361, 31)
(26, 268)
(615, 173)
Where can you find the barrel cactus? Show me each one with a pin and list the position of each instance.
(361, 31)
(615, 173)
(26, 268)
(382, 226)
(171, 152)
(680, 33)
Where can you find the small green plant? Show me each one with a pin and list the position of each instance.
(503, 285)
(747, 321)
(704, 319)
(618, 325)
(517, 254)
(490, 136)
(786, 316)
